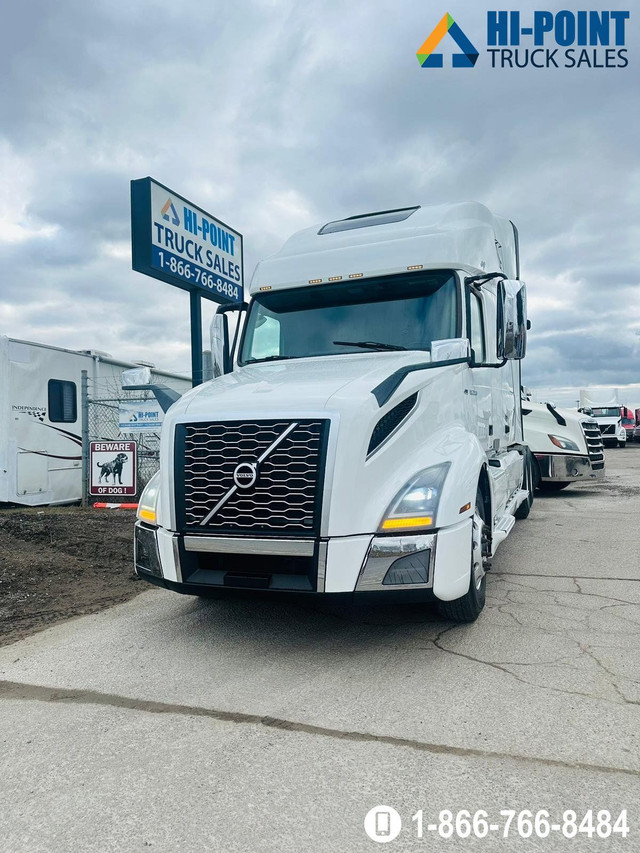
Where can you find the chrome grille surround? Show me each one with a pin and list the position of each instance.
(595, 447)
(287, 495)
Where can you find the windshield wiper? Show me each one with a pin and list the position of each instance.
(369, 345)
(269, 358)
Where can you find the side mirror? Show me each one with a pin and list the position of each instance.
(512, 319)
(219, 335)
(449, 349)
(136, 377)
(140, 379)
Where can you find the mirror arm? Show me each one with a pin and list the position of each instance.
(224, 309)
(165, 396)
(232, 306)
(479, 280)
(486, 364)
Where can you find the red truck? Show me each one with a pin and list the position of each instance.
(628, 417)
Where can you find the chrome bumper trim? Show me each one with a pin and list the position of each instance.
(567, 468)
(240, 545)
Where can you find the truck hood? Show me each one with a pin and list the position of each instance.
(305, 383)
(606, 421)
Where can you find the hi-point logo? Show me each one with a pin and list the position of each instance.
(170, 206)
(539, 39)
(428, 59)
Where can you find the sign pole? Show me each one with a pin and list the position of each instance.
(196, 338)
(84, 399)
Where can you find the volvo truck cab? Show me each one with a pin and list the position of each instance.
(364, 439)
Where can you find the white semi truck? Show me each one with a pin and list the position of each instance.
(604, 407)
(566, 446)
(365, 441)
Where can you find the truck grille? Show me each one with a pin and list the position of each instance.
(283, 496)
(607, 429)
(595, 447)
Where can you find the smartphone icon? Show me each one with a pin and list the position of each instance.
(383, 823)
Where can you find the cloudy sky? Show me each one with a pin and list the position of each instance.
(275, 115)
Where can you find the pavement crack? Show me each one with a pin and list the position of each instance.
(567, 577)
(503, 667)
(38, 693)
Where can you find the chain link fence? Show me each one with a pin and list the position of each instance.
(102, 406)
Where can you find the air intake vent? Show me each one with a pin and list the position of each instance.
(390, 422)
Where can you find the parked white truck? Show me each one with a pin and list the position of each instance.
(566, 446)
(366, 439)
(604, 407)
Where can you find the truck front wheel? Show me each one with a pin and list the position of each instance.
(469, 607)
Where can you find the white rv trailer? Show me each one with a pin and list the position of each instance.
(366, 440)
(40, 417)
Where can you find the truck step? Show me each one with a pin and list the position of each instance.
(501, 531)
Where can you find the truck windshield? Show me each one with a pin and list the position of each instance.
(404, 312)
(606, 413)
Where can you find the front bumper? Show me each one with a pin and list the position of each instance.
(566, 468)
(403, 568)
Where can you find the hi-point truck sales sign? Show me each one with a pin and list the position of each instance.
(179, 243)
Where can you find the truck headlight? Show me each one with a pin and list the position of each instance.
(564, 443)
(415, 505)
(148, 503)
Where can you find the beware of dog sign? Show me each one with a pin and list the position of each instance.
(113, 468)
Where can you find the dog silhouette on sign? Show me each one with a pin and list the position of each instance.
(112, 468)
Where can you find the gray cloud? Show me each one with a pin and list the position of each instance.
(279, 115)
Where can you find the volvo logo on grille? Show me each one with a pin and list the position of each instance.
(245, 475)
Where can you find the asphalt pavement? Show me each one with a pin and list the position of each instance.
(178, 724)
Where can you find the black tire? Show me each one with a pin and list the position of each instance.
(527, 483)
(553, 486)
(467, 608)
(622, 443)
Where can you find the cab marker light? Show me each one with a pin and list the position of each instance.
(335, 278)
(464, 508)
(266, 287)
(356, 275)
(418, 521)
(415, 267)
(147, 515)
(315, 281)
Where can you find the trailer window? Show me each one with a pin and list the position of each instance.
(63, 407)
(476, 332)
